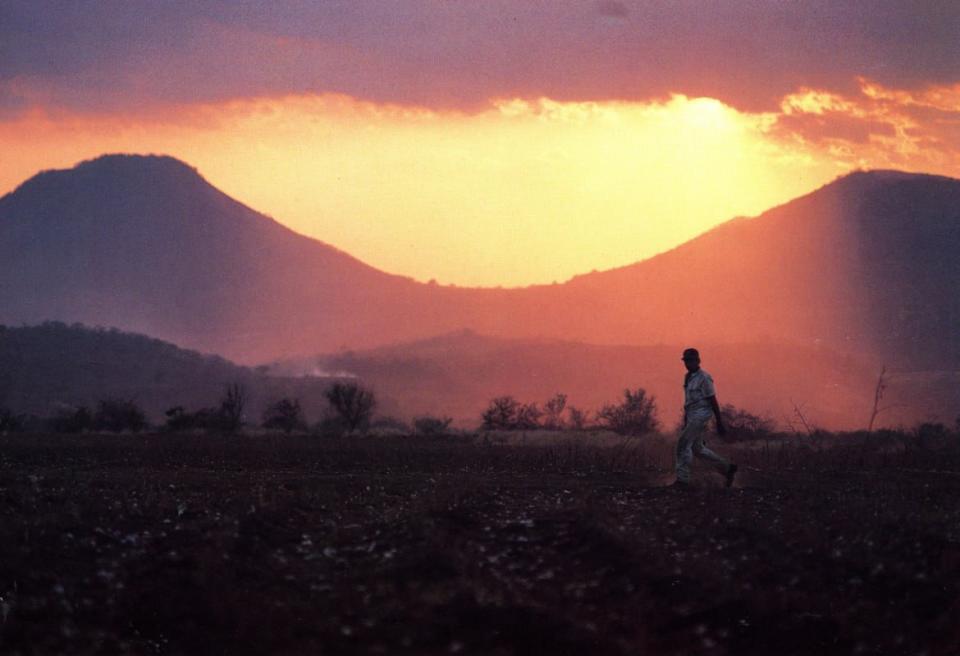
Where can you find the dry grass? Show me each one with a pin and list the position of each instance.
(542, 543)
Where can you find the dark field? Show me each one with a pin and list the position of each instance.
(189, 544)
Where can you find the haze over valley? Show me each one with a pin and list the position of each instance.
(801, 305)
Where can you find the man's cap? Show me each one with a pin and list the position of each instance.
(690, 354)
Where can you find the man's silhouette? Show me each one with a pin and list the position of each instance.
(699, 405)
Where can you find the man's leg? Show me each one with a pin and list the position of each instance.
(719, 463)
(690, 435)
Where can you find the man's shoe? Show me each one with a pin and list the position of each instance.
(731, 474)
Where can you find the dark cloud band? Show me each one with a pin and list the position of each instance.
(120, 55)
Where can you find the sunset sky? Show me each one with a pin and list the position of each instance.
(488, 142)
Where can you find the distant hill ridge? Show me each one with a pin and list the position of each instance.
(863, 265)
(45, 367)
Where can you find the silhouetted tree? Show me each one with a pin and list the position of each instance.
(177, 419)
(799, 414)
(528, 417)
(231, 408)
(929, 432)
(116, 415)
(501, 414)
(637, 415)
(285, 415)
(353, 404)
(553, 412)
(578, 418)
(744, 425)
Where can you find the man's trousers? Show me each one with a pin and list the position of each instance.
(691, 444)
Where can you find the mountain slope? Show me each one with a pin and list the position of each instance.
(145, 244)
(866, 264)
(863, 265)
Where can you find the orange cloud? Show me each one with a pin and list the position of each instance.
(879, 127)
(823, 127)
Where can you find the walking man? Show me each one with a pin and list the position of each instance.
(699, 405)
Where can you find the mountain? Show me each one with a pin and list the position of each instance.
(145, 244)
(45, 367)
(864, 266)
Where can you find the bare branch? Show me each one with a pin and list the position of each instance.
(798, 411)
(877, 397)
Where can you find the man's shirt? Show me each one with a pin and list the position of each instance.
(697, 388)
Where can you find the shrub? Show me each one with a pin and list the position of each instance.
(431, 426)
(929, 433)
(285, 415)
(227, 418)
(352, 403)
(10, 422)
(506, 413)
(636, 415)
(179, 419)
(115, 415)
(72, 420)
(501, 414)
(744, 425)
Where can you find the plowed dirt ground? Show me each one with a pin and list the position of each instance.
(163, 544)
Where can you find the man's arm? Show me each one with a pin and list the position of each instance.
(721, 429)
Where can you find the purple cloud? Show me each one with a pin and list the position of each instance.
(612, 9)
(120, 55)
